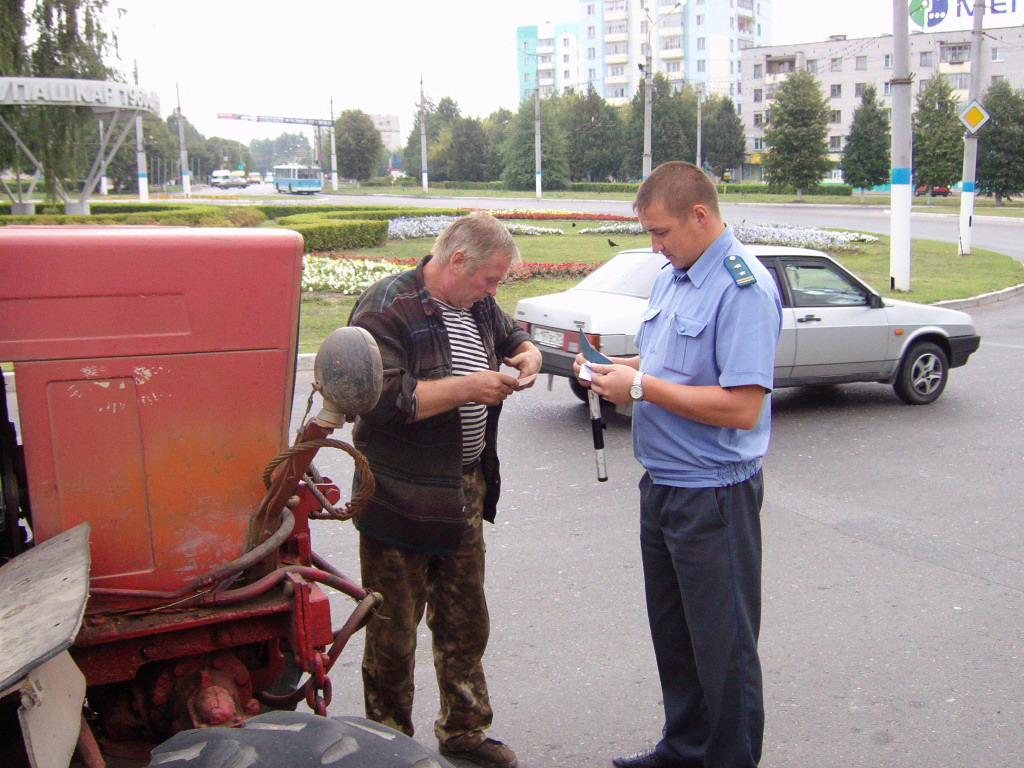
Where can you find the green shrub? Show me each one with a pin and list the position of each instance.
(757, 188)
(240, 216)
(468, 185)
(386, 181)
(364, 215)
(602, 186)
(329, 236)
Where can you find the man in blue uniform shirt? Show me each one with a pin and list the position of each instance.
(701, 421)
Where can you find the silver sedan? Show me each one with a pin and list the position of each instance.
(835, 327)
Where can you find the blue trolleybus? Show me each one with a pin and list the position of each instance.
(298, 179)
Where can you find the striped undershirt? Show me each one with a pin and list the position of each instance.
(468, 356)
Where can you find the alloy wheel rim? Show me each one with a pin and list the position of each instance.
(927, 374)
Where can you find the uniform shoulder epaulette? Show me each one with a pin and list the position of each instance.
(738, 269)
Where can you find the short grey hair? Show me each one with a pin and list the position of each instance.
(477, 235)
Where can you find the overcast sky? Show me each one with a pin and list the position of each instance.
(291, 60)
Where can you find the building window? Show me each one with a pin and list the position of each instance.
(591, 74)
(700, 43)
(565, 58)
(701, 65)
(812, 66)
(732, 46)
(888, 114)
(672, 66)
(759, 118)
(758, 95)
(732, 68)
(591, 53)
(565, 74)
(614, 48)
(886, 88)
(590, 10)
(758, 71)
(955, 53)
(997, 79)
(836, 116)
(858, 89)
(997, 54)
(860, 63)
(526, 62)
(959, 81)
(837, 91)
(671, 43)
(921, 84)
(837, 65)
(888, 61)
(526, 78)
(547, 41)
(591, 33)
(565, 42)
(758, 145)
(614, 5)
(616, 70)
(732, 22)
(672, 20)
(700, 19)
(926, 59)
(835, 142)
(615, 28)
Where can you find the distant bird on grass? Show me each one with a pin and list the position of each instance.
(612, 243)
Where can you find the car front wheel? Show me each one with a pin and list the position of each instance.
(922, 375)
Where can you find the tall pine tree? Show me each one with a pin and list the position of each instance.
(723, 145)
(865, 161)
(797, 134)
(518, 149)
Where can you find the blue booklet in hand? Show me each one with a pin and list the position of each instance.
(591, 354)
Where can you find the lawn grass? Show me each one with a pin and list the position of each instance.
(938, 272)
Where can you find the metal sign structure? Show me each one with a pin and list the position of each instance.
(117, 103)
(317, 122)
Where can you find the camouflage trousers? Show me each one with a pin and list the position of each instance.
(451, 590)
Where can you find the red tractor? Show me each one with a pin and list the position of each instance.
(154, 375)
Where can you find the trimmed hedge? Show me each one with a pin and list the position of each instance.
(602, 186)
(276, 210)
(394, 213)
(329, 236)
(468, 185)
(401, 181)
(757, 188)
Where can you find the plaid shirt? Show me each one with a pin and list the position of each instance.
(418, 504)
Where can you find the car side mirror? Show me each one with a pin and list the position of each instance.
(875, 301)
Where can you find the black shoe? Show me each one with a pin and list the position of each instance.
(648, 759)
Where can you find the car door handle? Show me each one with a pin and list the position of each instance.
(809, 319)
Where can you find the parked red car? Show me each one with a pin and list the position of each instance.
(936, 191)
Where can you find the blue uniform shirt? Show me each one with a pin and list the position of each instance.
(701, 328)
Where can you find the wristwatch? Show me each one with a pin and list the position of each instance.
(636, 391)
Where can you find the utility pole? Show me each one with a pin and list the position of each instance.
(185, 184)
(334, 152)
(700, 95)
(648, 69)
(140, 151)
(900, 176)
(423, 138)
(970, 137)
(536, 126)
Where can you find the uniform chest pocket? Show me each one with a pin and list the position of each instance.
(643, 333)
(687, 337)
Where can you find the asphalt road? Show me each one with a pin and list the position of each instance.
(893, 581)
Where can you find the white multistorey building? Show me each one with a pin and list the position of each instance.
(389, 130)
(844, 66)
(696, 41)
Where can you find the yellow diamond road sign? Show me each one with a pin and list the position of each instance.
(974, 116)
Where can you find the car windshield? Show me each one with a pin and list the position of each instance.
(628, 274)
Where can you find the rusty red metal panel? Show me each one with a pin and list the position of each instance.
(116, 291)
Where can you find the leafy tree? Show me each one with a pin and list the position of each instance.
(285, 148)
(796, 136)
(64, 39)
(1001, 143)
(596, 130)
(673, 127)
(359, 144)
(497, 127)
(463, 150)
(938, 136)
(518, 149)
(723, 144)
(866, 157)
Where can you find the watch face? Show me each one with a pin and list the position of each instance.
(636, 392)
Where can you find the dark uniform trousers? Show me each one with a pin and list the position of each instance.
(701, 550)
(451, 590)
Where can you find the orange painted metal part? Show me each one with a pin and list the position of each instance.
(154, 370)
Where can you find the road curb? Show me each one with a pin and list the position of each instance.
(983, 299)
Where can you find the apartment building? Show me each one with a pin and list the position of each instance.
(390, 133)
(698, 41)
(844, 66)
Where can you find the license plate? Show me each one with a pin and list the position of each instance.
(548, 337)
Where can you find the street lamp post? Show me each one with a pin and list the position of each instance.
(648, 69)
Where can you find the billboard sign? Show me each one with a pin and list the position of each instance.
(951, 15)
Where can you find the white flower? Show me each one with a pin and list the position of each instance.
(350, 276)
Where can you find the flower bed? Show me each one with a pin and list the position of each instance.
(800, 237)
(519, 213)
(528, 270)
(405, 228)
(625, 228)
(345, 275)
